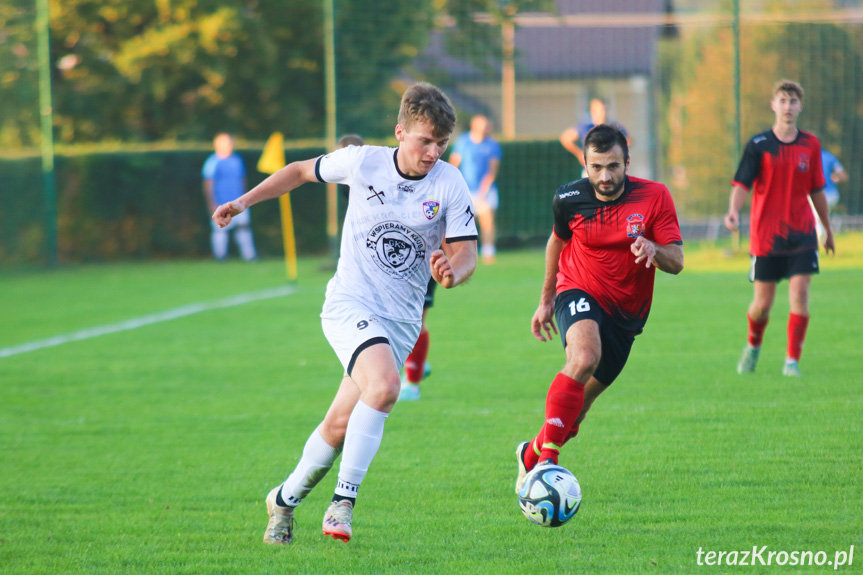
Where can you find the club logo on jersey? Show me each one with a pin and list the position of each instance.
(430, 209)
(396, 249)
(635, 225)
(405, 188)
(803, 163)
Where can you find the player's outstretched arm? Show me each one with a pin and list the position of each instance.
(288, 178)
(453, 264)
(542, 322)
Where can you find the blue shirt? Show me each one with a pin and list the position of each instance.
(475, 158)
(830, 164)
(227, 175)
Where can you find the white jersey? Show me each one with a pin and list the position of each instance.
(393, 224)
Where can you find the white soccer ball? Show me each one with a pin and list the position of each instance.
(550, 495)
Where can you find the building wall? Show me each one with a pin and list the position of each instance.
(545, 108)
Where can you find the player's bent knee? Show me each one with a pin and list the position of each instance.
(582, 360)
(382, 395)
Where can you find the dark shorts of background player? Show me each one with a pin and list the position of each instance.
(616, 343)
(776, 268)
(429, 299)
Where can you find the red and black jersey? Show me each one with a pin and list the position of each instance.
(597, 257)
(781, 177)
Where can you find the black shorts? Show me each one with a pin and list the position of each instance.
(429, 299)
(575, 305)
(775, 268)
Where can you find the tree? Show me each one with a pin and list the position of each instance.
(139, 70)
(700, 139)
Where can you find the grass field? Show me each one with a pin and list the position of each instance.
(151, 450)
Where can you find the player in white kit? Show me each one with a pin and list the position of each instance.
(404, 203)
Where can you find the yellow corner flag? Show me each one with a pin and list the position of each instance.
(273, 160)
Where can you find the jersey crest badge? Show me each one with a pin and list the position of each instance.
(803, 163)
(635, 225)
(396, 249)
(430, 209)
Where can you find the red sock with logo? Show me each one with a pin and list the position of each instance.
(416, 361)
(531, 455)
(562, 407)
(756, 331)
(797, 325)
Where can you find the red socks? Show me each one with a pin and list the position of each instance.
(416, 361)
(756, 331)
(797, 325)
(562, 407)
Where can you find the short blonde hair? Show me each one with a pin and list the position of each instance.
(789, 87)
(424, 102)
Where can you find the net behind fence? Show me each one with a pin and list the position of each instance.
(540, 70)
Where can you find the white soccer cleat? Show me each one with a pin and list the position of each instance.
(280, 529)
(749, 359)
(520, 450)
(337, 520)
(409, 392)
(791, 369)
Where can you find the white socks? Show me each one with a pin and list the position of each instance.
(245, 242)
(318, 457)
(362, 440)
(219, 239)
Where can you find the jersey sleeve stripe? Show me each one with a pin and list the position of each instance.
(318, 170)
(736, 183)
(461, 239)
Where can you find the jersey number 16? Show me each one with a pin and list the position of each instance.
(581, 306)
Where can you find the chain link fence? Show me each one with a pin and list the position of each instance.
(689, 80)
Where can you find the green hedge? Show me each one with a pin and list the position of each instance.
(127, 205)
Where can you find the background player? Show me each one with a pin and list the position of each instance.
(478, 156)
(404, 204)
(834, 173)
(611, 231)
(224, 176)
(783, 168)
(571, 138)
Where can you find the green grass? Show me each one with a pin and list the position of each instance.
(150, 451)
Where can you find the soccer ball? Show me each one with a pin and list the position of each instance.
(550, 495)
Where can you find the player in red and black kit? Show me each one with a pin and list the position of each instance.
(611, 232)
(783, 168)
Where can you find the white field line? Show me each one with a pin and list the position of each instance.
(142, 321)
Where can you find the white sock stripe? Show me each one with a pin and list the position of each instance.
(148, 320)
(347, 486)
